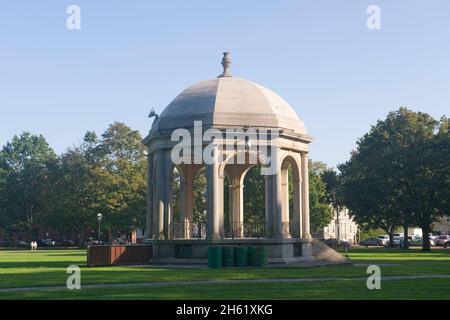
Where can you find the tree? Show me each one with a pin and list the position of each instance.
(106, 176)
(395, 176)
(320, 211)
(24, 167)
(254, 204)
(79, 188)
(199, 214)
(125, 169)
(333, 195)
(428, 189)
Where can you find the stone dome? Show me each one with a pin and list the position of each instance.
(226, 102)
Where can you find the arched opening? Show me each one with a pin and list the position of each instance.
(290, 191)
(227, 215)
(254, 203)
(199, 212)
(234, 178)
(175, 204)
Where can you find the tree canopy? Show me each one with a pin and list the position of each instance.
(400, 173)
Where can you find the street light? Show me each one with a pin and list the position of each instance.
(99, 219)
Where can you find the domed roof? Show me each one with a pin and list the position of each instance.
(226, 102)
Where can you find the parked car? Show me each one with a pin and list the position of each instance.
(384, 239)
(397, 241)
(22, 244)
(46, 243)
(95, 243)
(446, 244)
(371, 242)
(65, 243)
(120, 241)
(441, 239)
(333, 243)
(402, 240)
(418, 241)
(5, 244)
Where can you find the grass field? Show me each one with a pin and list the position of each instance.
(48, 268)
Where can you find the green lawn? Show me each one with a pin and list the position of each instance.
(48, 268)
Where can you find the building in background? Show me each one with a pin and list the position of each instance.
(344, 226)
(442, 226)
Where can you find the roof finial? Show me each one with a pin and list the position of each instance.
(226, 62)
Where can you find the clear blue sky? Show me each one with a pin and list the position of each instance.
(339, 76)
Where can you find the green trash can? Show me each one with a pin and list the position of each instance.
(228, 257)
(252, 256)
(241, 256)
(214, 257)
(260, 257)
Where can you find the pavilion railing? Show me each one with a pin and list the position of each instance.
(238, 230)
(233, 230)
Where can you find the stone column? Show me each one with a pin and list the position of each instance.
(221, 208)
(212, 171)
(182, 226)
(269, 206)
(189, 206)
(236, 188)
(149, 231)
(168, 214)
(186, 201)
(277, 231)
(297, 206)
(237, 207)
(160, 187)
(305, 197)
(285, 202)
(155, 203)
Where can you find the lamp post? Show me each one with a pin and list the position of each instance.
(99, 219)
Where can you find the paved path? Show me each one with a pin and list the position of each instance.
(196, 282)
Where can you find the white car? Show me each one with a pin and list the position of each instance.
(384, 239)
(397, 240)
(418, 241)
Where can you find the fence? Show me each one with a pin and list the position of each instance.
(118, 255)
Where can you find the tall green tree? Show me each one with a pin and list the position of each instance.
(254, 203)
(125, 169)
(427, 191)
(79, 192)
(394, 177)
(104, 175)
(199, 214)
(319, 210)
(333, 194)
(24, 167)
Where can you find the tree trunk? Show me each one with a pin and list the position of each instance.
(391, 237)
(338, 226)
(426, 238)
(82, 236)
(405, 238)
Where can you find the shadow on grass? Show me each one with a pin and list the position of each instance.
(40, 264)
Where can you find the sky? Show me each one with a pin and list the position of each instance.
(130, 56)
